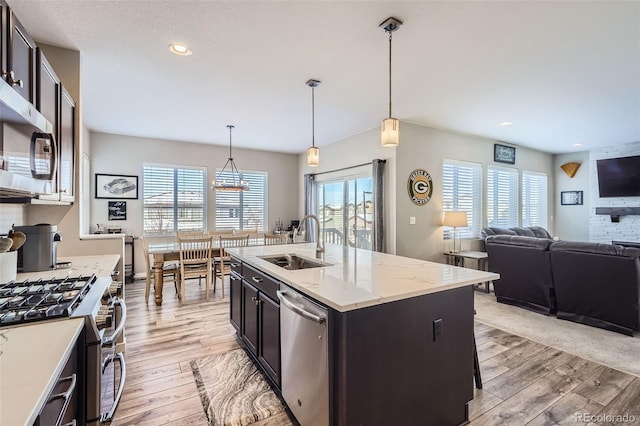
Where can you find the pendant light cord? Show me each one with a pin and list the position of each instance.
(230, 128)
(390, 33)
(313, 116)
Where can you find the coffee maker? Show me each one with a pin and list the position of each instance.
(38, 253)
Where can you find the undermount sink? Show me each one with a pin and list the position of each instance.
(293, 262)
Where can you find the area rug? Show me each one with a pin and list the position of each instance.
(232, 390)
(614, 350)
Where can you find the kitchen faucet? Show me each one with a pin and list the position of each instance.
(319, 248)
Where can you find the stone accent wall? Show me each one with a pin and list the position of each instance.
(601, 229)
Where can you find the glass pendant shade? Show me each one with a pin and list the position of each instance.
(313, 156)
(390, 132)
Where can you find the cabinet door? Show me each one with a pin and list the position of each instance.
(66, 142)
(235, 288)
(21, 54)
(250, 316)
(269, 349)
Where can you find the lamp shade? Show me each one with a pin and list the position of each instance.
(455, 219)
(313, 156)
(390, 132)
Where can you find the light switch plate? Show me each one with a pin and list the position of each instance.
(412, 220)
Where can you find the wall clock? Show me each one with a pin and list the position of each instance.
(420, 187)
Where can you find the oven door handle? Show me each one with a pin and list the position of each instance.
(107, 417)
(109, 341)
(66, 395)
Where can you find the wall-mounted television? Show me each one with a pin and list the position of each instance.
(619, 177)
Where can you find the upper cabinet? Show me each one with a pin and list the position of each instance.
(66, 141)
(20, 58)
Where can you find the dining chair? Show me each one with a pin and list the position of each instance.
(299, 237)
(222, 264)
(275, 239)
(195, 261)
(169, 269)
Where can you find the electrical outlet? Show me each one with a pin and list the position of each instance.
(437, 329)
(412, 220)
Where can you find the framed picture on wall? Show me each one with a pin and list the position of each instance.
(504, 154)
(571, 198)
(116, 186)
(117, 210)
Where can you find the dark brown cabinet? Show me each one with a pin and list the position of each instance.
(250, 316)
(20, 59)
(255, 313)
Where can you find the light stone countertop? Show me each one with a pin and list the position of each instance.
(31, 359)
(101, 265)
(32, 356)
(358, 278)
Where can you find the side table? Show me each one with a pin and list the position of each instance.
(458, 259)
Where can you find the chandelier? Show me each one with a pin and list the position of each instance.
(230, 181)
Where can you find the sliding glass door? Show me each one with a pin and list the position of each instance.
(345, 210)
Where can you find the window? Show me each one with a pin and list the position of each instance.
(174, 199)
(345, 211)
(245, 209)
(502, 197)
(534, 199)
(461, 191)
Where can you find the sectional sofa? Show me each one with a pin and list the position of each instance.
(590, 283)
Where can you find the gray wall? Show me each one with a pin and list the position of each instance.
(572, 222)
(426, 148)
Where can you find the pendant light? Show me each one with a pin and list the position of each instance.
(234, 184)
(390, 130)
(313, 152)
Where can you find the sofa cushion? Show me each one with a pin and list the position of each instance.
(521, 241)
(528, 231)
(596, 248)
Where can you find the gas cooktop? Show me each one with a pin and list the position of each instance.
(36, 300)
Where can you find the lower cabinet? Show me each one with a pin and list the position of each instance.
(255, 313)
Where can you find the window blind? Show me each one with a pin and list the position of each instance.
(502, 197)
(174, 199)
(534, 199)
(462, 191)
(246, 209)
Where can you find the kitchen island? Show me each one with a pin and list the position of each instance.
(399, 331)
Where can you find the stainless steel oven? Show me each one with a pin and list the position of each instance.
(102, 370)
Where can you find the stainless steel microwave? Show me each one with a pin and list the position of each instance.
(27, 148)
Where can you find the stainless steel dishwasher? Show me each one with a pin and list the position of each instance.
(305, 357)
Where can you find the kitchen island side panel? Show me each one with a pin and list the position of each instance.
(389, 369)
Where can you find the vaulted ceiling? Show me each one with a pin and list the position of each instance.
(563, 72)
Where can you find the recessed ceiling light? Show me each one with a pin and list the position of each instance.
(180, 49)
(505, 124)
(576, 145)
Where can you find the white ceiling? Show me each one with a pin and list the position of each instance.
(563, 72)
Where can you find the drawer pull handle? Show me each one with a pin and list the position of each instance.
(257, 279)
(66, 395)
(234, 265)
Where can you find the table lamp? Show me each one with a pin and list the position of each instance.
(455, 220)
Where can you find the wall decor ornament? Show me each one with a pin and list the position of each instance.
(570, 168)
(420, 187)
(504, 154)
(571, 198)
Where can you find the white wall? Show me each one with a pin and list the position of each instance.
(601, 229)
(572, 222)
(359, 149)
(426, 148)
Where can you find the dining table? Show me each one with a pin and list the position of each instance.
(167, 249)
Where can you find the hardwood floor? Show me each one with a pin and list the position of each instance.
(524, 382)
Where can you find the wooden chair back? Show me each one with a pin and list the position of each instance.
(235, 240)
(190, 234)
(195, 260)
(275, 239)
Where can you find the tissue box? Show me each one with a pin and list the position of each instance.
(8, 266)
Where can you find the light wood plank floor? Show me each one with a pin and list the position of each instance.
(525, 383)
